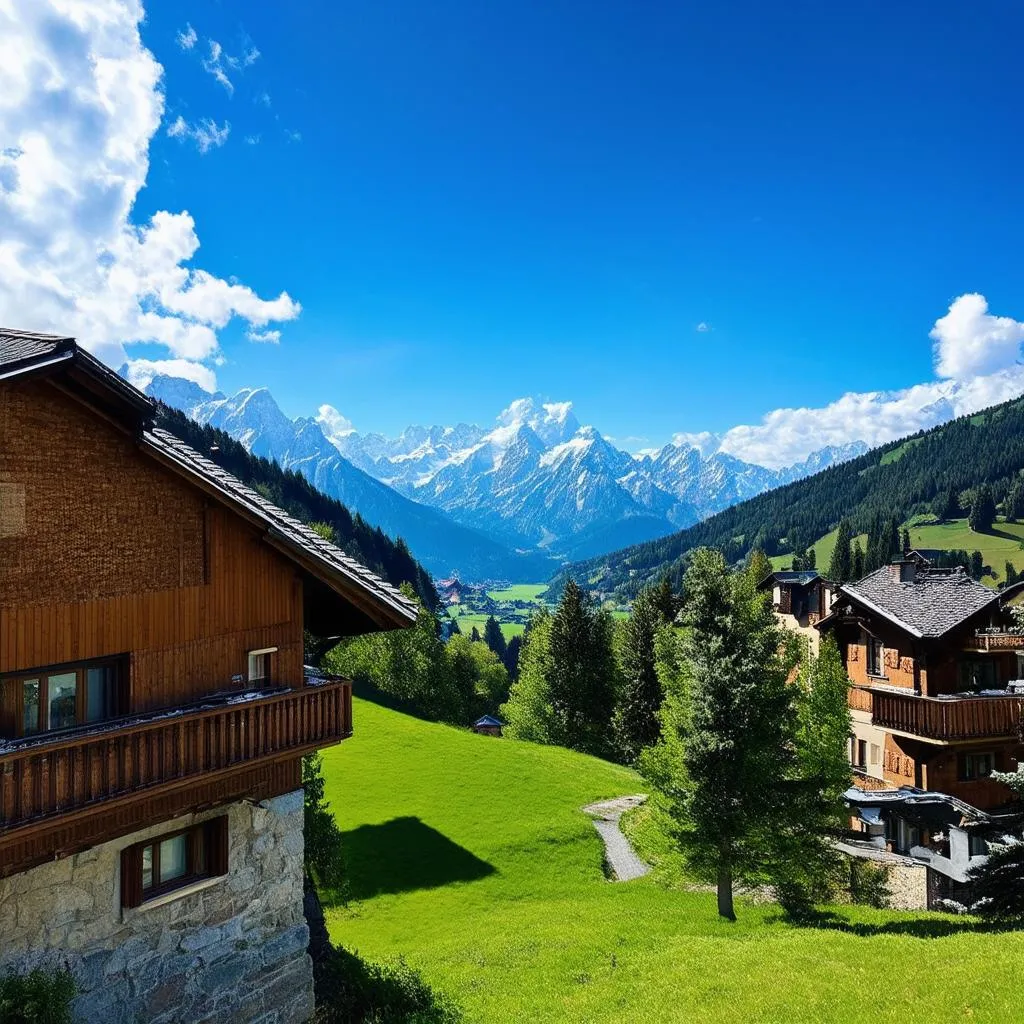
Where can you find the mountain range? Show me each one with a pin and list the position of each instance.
(512, 501)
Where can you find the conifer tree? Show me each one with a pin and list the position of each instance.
(976, 566)
(1011, 574)
(857, 562)
(636, 716)
(527, 712)
(905, 541)
(1013, 504)
(983, 510)
(665, 599)
(946, 505)
(840, 569)
(728, 730)
(998, 884)
(583, 677)
(512, 657)
(494, 638)
(474, 634)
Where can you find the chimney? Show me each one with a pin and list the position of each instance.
(903, 570)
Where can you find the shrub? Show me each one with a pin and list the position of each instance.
(323, 837)
(869, 883)
(40, 997)
(350, 990)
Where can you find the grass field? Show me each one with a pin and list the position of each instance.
(997, 547)
(519, 592)
(467, 620)
(468, 855)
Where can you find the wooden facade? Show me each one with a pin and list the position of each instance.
(933, 702)
(109, 556)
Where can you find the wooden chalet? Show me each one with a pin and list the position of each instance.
(934, 665)
(154, 706)
(801, 599)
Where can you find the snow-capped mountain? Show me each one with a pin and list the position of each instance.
(536, 482)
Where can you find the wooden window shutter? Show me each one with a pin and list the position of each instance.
(131, 876)
(217, 846)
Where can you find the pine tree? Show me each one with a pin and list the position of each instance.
(905, 541)
(983, 510)
(527, 712)
(857, 562)
(998, 884)
(583, 673)
(512, 657)
(474, 634)
(976, 566)
(1014, 501)
(811, 559)
(840, 569)
(946, 505)
(1011, 574)
(665, 600)
(728, 731)
(636, 716)
(494, 638)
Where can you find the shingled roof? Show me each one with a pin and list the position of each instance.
(929, 605)
(22, 352)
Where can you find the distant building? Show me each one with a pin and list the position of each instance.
(488, 725)
(936, 702)
(450, 590)
(800, 600)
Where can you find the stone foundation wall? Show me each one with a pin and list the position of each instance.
(230, 949)
(908, 884)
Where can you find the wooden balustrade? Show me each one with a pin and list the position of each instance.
(963, 718)
(996, 642)
(88, 767)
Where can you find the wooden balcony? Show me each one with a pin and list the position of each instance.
(71, 774)
(947, 721)
(995, 642)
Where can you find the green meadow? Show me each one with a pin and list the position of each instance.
(469, 856)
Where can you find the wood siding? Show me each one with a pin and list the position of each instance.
(186, 620)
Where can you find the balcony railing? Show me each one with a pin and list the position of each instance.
(43, 777)
(958, 718)
(996, 641)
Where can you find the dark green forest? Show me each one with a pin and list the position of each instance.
(390, 559)
(899, 479)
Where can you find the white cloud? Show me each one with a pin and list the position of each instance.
(187, 37)
(702, 328)
(263, 99)
(142, 371)
(268, 337)
(977, 361)
(253, 140)
(333, 423)
(970, 341)
(80, 102)
(292, 136)
(206, 133)
(213, 64)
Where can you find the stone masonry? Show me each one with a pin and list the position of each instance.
(230, 949)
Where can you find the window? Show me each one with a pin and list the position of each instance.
(906, 836)
(876, 660)
(61, 698)
(977, 766)
(161, 865)
(977, 674)
(876, 754)
(977, 846)
(260, 666)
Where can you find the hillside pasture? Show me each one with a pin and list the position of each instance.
(469, 856)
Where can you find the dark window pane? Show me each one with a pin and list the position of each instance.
(61, 690)
(99, 684)
(30, 705)
(173, 858)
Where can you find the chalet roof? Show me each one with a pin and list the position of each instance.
(930, 605)
(801, 578)
(22, 352)
(26, 346)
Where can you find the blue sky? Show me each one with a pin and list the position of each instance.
(474, 202)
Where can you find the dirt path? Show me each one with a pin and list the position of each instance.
(622, 858)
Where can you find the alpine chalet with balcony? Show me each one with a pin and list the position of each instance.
(154, 707)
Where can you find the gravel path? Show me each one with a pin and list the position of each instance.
(622, 858)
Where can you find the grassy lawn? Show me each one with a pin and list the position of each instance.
(519, 592)
(467, 620)
(468, 856)
(997, 547)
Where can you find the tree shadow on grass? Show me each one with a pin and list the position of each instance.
(404, 854)
(916, 927)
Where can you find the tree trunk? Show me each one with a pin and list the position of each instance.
(725, 887)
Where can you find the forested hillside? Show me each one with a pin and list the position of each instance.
(390, 559)
(898, 479)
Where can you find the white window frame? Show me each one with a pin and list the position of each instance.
(258, 654)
